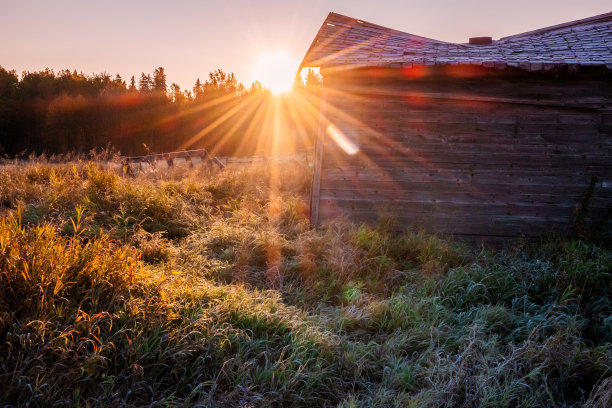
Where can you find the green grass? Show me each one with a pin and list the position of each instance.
(191, 287)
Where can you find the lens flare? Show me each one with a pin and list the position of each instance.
(340, 138)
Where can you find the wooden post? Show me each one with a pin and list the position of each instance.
(315, 193)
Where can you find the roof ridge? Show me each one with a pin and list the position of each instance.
(350, 42)
(329, 20)
(358, 20)
(313, 43)
(593, 19)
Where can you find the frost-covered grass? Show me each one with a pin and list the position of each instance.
(199, 287)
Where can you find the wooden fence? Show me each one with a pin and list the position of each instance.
(192, 157)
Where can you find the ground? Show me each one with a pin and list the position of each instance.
(201, 287)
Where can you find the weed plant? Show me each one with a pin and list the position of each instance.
(200, 287)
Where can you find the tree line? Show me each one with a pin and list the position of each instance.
(68, 111)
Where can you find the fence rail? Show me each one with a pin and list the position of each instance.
(192, 157)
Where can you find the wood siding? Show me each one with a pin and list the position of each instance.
(489, 155)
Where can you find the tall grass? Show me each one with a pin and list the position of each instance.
(199, 287)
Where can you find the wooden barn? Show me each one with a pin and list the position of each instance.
(488, 138)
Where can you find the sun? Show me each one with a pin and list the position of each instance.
(276, 72)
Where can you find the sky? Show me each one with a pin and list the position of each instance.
(191, 38)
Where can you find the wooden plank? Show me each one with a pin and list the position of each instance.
(550, 92)
(318, 163)
(374, 125)
(333, 209)
(393, 167)
(401, 102)
(449, 203)
(603, 148)
(585, 102)
(363, 166)
(434, 159)
(418, 180)
(498, 225)
(457, 206)
(397, 124)
(413, 136)
(449, 191)
(540, 184)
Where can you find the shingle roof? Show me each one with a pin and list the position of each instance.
(347, 42)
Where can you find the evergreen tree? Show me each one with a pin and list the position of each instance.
(188, 95)
(197, 89)
(132, 84)
(313, 79)
(9, 82)
(119, 82)
(159, 81)
(221, 83)
(177, 96)
(145, 83)
(256, 87)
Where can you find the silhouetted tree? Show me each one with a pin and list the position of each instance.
(256, 87)
(220, 82)
(188, 95)
(119, 83)
(145, 83)
(313, 79)
(8, 92)
(159, 81)
(70, 111)
(176, 94)
(197, 89)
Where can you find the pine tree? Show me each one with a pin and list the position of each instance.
(220, 82)
(132, 84)
(188, 96)
(145, 83)
(177, 96)
(255, 87)
(313, 79)
(159, 81)
(197, 89)
(119, 82)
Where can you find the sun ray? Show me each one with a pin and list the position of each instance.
(256, 121)
(217, 122)
(296, 113)
(197, 108)
(244, 115)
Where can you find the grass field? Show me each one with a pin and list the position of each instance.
(195, 288)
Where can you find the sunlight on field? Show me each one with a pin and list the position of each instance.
(139, 290)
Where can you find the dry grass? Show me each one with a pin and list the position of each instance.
(192, 287)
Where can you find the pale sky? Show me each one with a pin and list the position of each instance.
(192, 38)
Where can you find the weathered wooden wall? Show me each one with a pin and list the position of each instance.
(471, 153)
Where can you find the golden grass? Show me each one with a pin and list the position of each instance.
(197, 287)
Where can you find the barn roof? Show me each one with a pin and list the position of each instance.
(349, 43)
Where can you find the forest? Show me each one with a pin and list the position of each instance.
(70, 112)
